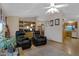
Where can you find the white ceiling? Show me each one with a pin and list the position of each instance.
(24, 9)
(37, 9)
(72, 11)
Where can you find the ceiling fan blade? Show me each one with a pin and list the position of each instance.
(59, 6)
(51, 5)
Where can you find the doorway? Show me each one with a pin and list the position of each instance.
(41, 29)
(70, 30)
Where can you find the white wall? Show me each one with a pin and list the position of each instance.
(13, 24)
(55, 32)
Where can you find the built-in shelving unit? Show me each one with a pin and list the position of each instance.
(26, 24)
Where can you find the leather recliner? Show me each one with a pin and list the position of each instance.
(39, 40)
(21, 41)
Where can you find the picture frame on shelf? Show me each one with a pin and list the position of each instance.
(57, 21)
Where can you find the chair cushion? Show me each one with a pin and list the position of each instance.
(25, 41)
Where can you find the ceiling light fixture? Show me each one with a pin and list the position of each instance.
(53, 8)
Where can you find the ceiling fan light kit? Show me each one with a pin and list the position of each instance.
(53, 8)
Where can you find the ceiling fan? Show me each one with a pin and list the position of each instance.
(54, 8)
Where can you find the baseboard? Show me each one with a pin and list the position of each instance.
(56, 41)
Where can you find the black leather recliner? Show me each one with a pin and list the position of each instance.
(39, 40)
(21, 41)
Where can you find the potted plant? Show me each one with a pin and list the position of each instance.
(8, 44)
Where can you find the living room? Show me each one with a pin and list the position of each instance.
(17, 20)
(32, 29)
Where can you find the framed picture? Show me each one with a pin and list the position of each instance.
(57, 21)
(51, 22)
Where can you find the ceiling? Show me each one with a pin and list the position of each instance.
(24, 9)
(37, 9)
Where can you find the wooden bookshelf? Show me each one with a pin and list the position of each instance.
(24, 24)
